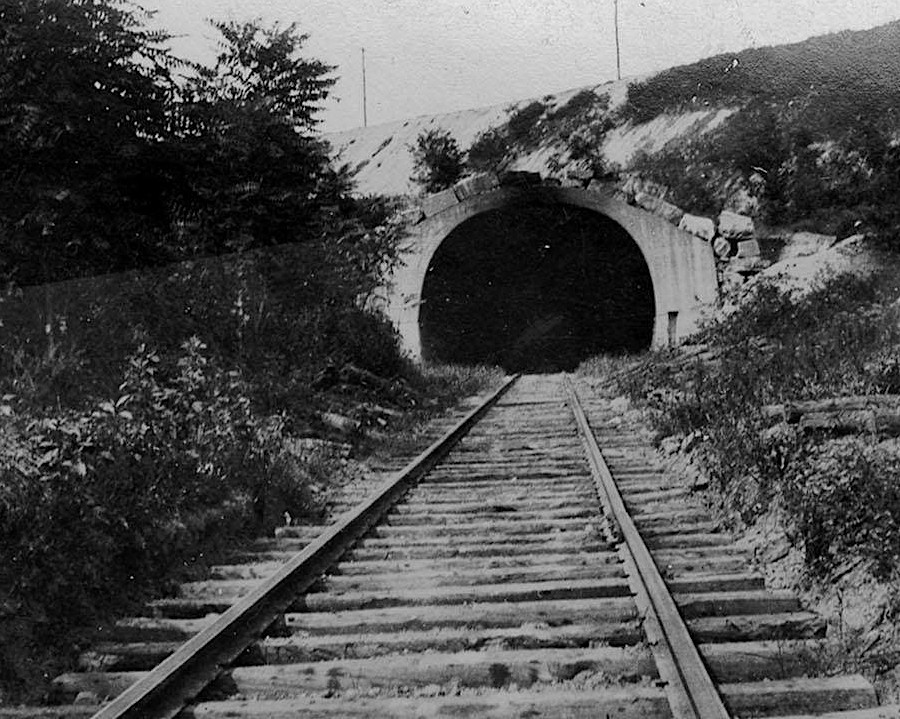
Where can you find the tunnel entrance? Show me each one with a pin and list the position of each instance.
(536, 288)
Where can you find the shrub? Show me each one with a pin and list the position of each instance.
(845, 499)
(140, 483)
(840, 339)
(579, 106)
(489, 150)
(437, 160)
(523, 125)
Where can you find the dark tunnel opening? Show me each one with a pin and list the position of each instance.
(536, 288)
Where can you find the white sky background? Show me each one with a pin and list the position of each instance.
(435, 56)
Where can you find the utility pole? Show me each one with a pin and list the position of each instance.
(365, 111)
(616, 22)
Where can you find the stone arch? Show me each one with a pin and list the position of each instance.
(681, 266)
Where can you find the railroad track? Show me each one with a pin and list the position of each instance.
(534, 562)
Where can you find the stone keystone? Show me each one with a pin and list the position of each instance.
(702, 227)
(438, 202)
(733, 226)
(476, 185)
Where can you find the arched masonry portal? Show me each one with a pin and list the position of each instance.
(535, 288)
(681, 266)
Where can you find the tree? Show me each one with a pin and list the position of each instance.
(437, 160)
(255, 171)
(84, 94)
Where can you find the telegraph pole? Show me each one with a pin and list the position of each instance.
(616, 22)
(365, 112)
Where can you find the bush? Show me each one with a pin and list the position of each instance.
(141, 483)
(437, 160)
(838, 340)
(845, 498)
(523, 125)
(579, 106)
(489, 150)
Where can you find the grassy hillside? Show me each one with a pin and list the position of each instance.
(834, 78)
(805, 135)
(815, 140)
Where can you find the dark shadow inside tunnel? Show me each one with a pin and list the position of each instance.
(536, 288)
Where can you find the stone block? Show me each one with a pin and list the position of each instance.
(438, 202)
(748, 249)
(569, 182)
(658, 206)
(702, 227)
(476, 185)
(601, 187)
(412, 215)
(721, 248)
(747, 265)
(803, 244)
(520, 178)
(647, 201)
(551, 182)
(733, 226)
(670, 212)
(582, 175)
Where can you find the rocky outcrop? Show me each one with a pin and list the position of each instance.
(803, 244)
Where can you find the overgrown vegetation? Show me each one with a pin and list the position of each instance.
(437, 160)
(576, 129)
(830, 78)
(489, 151)
(815, 138)
(841, 339)
(148, 418)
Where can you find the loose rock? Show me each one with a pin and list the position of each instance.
(722, 248)
(803, 244)
(702, 227)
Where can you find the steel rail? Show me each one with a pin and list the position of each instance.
(178, 679)
(691, 691)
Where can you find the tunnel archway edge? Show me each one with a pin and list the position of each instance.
(681, 266)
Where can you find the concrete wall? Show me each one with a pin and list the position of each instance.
(681, 265)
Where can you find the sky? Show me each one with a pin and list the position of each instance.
(436, 56)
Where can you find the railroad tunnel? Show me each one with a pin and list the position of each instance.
(537, 288)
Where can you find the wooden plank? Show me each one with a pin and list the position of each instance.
(490, 668)
(735, 628)
(485, 614)
(798, 696)
(435, 596)
(628, 703)
(283, 650)
(891, 711)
